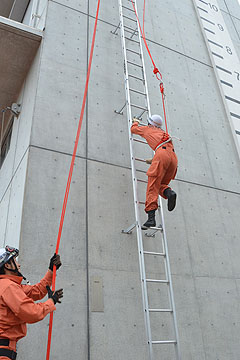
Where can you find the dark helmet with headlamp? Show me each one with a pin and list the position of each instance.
(7, 255)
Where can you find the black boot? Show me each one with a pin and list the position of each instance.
(150, 221)
(172, 197)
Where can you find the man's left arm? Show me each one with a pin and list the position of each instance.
(39, 291)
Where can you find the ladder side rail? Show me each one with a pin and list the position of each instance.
(134, 180)
(168, 271)
(143, 63)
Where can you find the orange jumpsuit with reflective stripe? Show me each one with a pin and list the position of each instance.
(164, 164)
(17, 307)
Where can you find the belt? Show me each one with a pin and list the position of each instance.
(8, 353)
(164, 147)
(162, 143)
(4, 342)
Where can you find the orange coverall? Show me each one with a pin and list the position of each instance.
(17, 307)
(164, 164)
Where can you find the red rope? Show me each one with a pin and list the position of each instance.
(155, 70)
(70, 174)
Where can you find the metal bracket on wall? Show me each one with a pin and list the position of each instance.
(120, 112)
(15, 109)
(129, 229)
(116, 29)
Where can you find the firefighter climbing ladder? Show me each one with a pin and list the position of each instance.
(133, 65)
(224, 60)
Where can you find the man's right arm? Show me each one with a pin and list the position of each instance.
(138, 130)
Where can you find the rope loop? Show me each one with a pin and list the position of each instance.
(156, 72)
(162, 88)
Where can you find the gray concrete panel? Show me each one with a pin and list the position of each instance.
(110, 210)
(69, 322)
(120, 328)
(232, 25)
(233, 7)
(178, 30)
(209, 243)
(48, 172)
(106, 129)
(108, 11)
(222, 5)
(218, 300)
(184, 7)
(47, 177)
(162, 24)
(61, 81)
(189, 318)
(75, 5)
(236, 23)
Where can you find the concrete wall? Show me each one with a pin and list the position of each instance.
(203, 230)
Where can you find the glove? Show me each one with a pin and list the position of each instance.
(149, 161)
(55, 296)
(55, 260)
(135, 120)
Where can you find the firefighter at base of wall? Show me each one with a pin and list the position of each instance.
(163, 167)
(17, 301)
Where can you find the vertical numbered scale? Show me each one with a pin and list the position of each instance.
(224, 59)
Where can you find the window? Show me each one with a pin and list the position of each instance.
(6, 141)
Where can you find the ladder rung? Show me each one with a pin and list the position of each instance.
(132, 63)
(139, 107)
(138, 92)
(134, 52)
(125, 7)
(153, 228)
(136, 77)
(130, 31)
(154, 253)
(160, 310)
(127, 17)
(129, 28)
(143, 181)
(143, 142)
(141, 202)
(141, 160)
(157, 281)
(132, 40)
(165, 342)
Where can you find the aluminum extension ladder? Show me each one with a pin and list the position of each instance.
(136, 85)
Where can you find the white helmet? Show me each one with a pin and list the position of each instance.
(155, 120)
